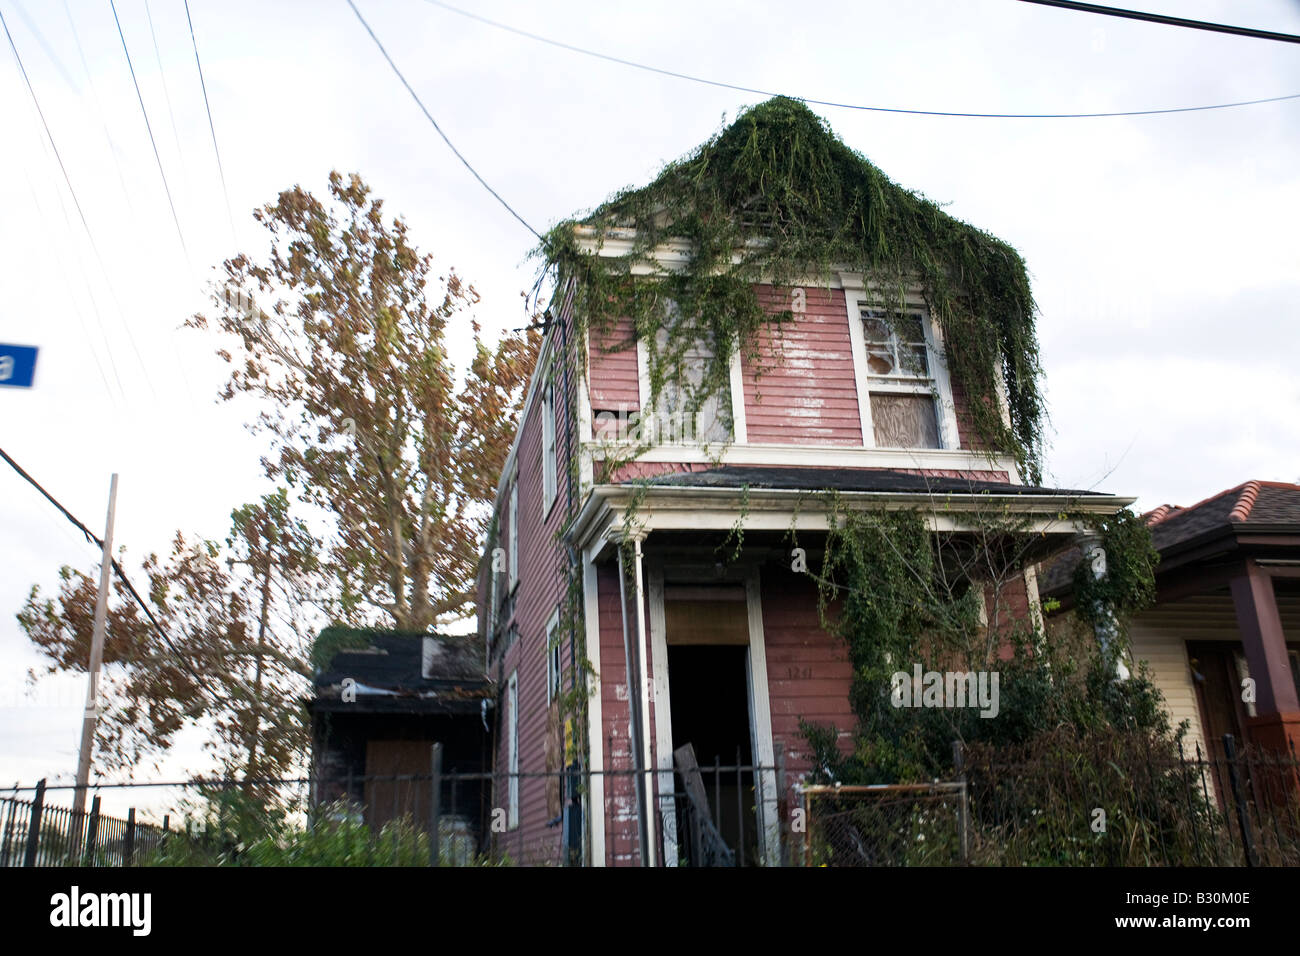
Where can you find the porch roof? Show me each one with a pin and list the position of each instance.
(853, 479)
(778, 499)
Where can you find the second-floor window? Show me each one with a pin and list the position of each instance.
(549, 484)
(901, 379)
(513, 529)
(711, 421)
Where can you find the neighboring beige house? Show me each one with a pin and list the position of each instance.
(1227, 611)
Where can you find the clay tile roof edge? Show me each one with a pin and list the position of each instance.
(1241, 510)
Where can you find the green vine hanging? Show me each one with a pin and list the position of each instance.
(778, 198)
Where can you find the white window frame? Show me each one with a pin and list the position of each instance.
(856, 299)
(493, 574)
(550, 486)
(733, 403)
(514, 531)
(512, 751)
(554, 676)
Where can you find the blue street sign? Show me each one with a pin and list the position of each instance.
(17, 365)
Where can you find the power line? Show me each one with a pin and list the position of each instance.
(167, 96)
(1167, 20)
(429, 117)
(152, 142)
(44, 220)
(90, 236)
(830, 103)
(211, 126)
(121, 574)
(40, 211)
(99, 109)
(57, 155)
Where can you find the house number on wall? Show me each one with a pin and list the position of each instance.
(799, 673)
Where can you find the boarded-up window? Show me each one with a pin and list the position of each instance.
(904, 421)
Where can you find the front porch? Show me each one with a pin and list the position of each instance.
(713, 638)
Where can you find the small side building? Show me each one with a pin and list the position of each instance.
(381, 700)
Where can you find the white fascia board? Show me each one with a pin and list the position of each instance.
(678, 507)
(674, 255)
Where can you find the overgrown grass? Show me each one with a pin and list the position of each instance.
(238, 832)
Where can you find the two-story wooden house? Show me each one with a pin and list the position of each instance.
(770, 327)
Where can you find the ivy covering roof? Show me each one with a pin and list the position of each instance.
(778, 197)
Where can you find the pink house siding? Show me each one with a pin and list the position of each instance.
(615, 382)
(543, 567)
(620, 815)
(966, 433)
(808, 670)
(802, 389)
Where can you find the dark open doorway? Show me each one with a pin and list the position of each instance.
(710, 710)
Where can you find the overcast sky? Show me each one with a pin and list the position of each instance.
(1163, 249)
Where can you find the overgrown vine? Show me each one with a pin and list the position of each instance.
(776, 198)
(899, 594)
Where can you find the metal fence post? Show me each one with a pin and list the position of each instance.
(128, 845)
(782, 805)
(963, 809)
(806, 806)
(34, 824)
(9, 831)
(1243, 818)
(435, 798)
(92, 831)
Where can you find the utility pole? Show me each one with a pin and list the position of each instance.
(91, 717)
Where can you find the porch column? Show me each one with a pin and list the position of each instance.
(1107, 628)
(1277, 724)
(646, 780)
(638, 701)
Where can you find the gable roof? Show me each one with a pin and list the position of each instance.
(780, 168)
(777, 197)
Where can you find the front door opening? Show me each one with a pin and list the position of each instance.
(710, 710)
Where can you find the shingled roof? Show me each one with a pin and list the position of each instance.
(848, 480)
(396, 671)
(1257, 505)
(1252, 506)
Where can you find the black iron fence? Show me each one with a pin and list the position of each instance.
(1235, 806)
(36, 833)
